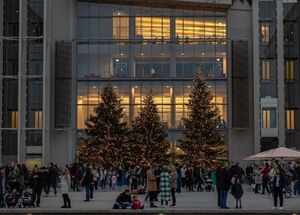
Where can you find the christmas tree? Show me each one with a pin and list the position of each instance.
(150, 134)
(106, 133)
(201, 140)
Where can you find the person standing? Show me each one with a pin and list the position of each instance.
(265, 178)
(218, 184)
(53, 175)
(87, 183)
(65, 182)
(151, 186)
(278, 186)
(173, 182)
(179, 182)
(165, 188)
(224, 187)
(36, 183)
(183, 174)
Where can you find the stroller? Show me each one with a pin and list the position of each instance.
(26, 200)
(12, 198)
(208, 184)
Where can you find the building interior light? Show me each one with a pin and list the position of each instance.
(94, 87)
(122, 54)
(203, 53)
(218, 59)
(135, 87)
(117, 60)
(189, 86)
(142, 54)
(163, 54)
(182, 54)
(115, 87)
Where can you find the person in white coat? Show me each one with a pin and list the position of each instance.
(65, 184)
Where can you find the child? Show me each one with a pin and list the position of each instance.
(136, 203)
(114, 182)
(237, 192)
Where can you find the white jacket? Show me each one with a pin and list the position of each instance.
(64, 184)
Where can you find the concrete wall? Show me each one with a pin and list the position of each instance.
(62, 25)
(240, 140)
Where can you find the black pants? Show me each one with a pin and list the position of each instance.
(278, 192)
(152, 196)
(265, 186)
(67, 201)
(173, 191)
(36, 196)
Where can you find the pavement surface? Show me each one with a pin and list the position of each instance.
(187, 203)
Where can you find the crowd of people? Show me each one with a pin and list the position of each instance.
(159, 183)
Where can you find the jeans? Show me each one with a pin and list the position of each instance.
(87, 192)
(53, 184)
(250, 180)
(297, 188)
(36, 196)
(223, 198)
(92, 191)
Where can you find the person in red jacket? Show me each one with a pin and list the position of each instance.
(265, 178)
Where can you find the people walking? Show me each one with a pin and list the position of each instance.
(165, 188)
(36, 183)
(265, 178)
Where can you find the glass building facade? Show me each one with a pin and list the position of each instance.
(138, 49)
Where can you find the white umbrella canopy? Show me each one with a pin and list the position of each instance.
(278, 153)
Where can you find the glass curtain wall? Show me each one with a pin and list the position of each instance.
(144, 49)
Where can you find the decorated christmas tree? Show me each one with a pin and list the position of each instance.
(150, 134)
(201, 141)
(105, 132)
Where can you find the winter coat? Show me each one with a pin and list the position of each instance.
(87, 179)
(164, 185)
(281, 181)
(64, 184)
(151, 181)
(237, 190)
(224, 180)
(36, 181)
(173, 180)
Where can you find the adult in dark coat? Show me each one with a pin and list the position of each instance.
(36, 184)
(278, 186)
(218, 184)
(224, 186)
(53, 176)
(237, 192)
(123, 201)
(87, 182)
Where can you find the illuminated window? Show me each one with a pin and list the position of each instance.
(38, 119)
(269, 118)
(189, 28)
(265, 32)
(290, 119)
(265, 70)
(289, 69)
(152, 27)
(14, 119)
(120, 25)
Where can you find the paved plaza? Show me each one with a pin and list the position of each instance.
(187, 203)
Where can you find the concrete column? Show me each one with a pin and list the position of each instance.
(280, 72)
(172, 47)
(131, 104)
(22, 81)
(46, 80)
(256, 83)
(131, 47)
(173, 108)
